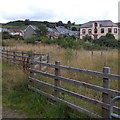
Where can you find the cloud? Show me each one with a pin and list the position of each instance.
(79, 11)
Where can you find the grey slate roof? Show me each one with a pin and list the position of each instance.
(103, 23)
(32, 26)
(57, 30)
(62, 30)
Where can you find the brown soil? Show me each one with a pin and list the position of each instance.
(9, 113)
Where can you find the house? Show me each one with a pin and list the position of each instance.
(96, 29)
(74, 33)
(15, 32)
(65, 32)
(5, 30)
(29, 31)
(53, 33)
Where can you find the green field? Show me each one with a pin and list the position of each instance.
(21, 27)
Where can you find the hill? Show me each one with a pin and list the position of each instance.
(22, 24)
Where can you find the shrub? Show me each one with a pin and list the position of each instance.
(17, 37)
(2, 43)
(30, 40)
(44, 40)
(6, 35)
(103, 41)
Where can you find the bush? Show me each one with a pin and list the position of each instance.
(17, 37)
(6, 35)
(2, 43)
(44, 40)
(103, 41)
(30, 40)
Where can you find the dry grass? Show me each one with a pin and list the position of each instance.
(80, 59)
(76, 58)
(11, 76)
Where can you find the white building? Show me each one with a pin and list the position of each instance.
(96, 29)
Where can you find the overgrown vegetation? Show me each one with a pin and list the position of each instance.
(74, 58)
(16, 95)
(104, 42)
(6, 35)
(30, 40)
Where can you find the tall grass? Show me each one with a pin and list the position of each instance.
(17, 96)
(91, 60)
(75, 58)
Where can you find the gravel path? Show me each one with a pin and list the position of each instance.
(9, 113)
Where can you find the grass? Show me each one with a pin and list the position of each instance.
(75, 58)
(17, 96)
(0, 83)
(22, 27)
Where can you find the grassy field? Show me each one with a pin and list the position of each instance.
(74, 58)
(22, 27)
(69, 57)
(16, 96)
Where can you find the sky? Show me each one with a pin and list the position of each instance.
(78, 11)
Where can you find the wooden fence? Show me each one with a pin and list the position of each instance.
(23, 58)
(105, 89)
(31, 60)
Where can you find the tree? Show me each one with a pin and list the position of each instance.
(74, 29)
(59, 23)
(6, 35)
(41, 31)
(108, 40)
(27, 21)
(110, 36)
(73, 23)
(68, 24)
(87, 38)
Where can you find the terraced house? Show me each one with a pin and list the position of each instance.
(96, 29)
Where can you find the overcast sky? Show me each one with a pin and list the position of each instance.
(78, 11)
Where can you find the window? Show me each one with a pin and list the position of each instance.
(109, 30)
(83, 31)
(89, 31)
(95, 30)
(102, 30)
(115, 30)
(96, 24)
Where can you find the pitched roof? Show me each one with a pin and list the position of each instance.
(32, 26)
(62, 30)
(103, 23)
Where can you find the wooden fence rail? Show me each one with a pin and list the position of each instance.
(105, 89)
(23, 58)
(31, 60)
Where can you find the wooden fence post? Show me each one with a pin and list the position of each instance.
(101, 53)
(31, 73)
(7, 56)
(23, 60)
(105, 96)
(22, 55)
(28, 62)
(92, 53)
(14, 57)
(57, 82)
(40, 66)
(48, 58)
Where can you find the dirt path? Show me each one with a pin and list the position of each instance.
(9, 113)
